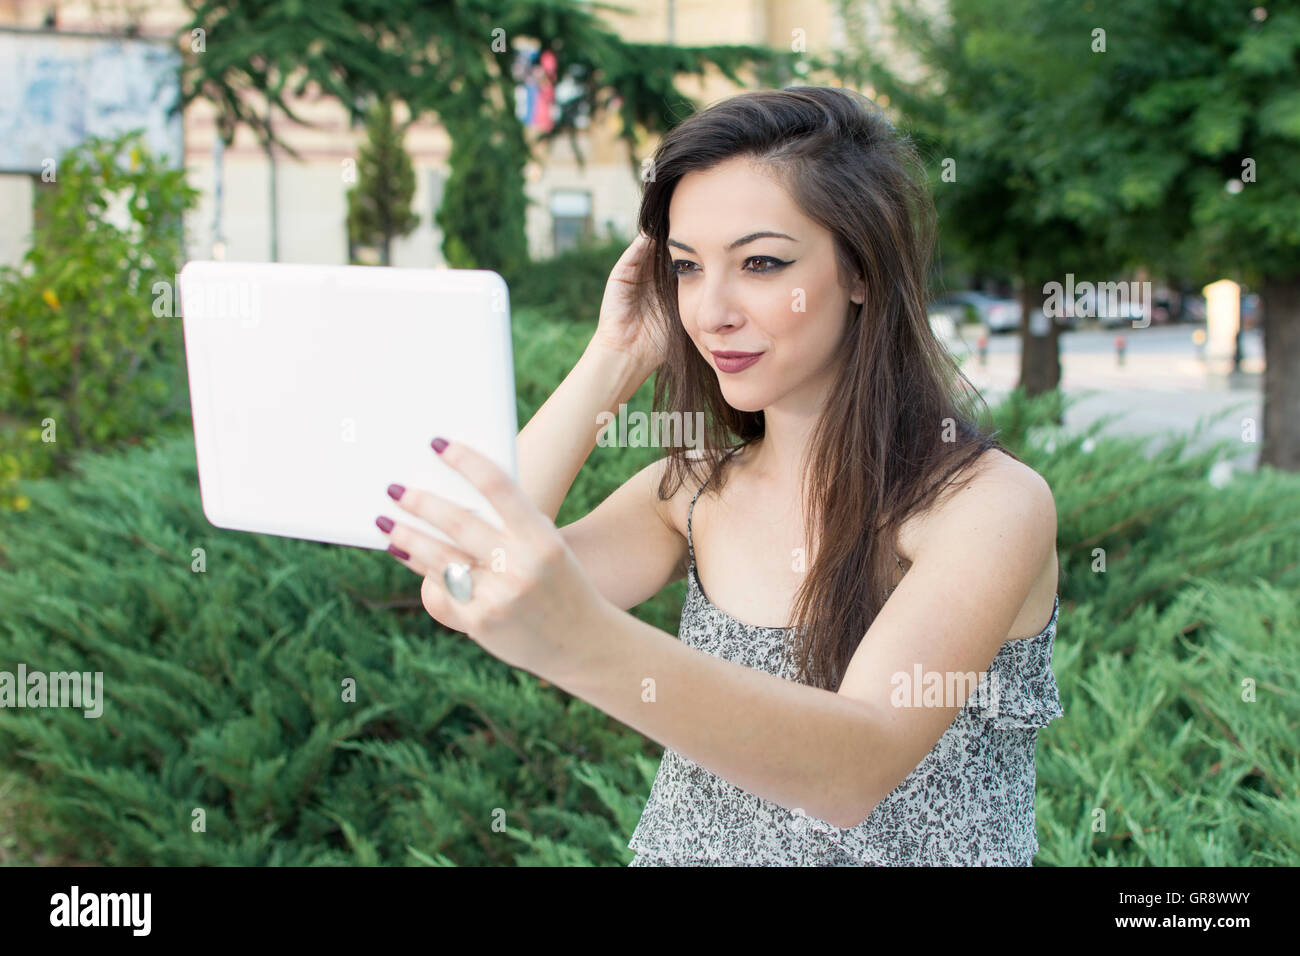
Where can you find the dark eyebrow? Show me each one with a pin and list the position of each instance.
(739, 242)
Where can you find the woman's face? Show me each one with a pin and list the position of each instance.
(741, 291)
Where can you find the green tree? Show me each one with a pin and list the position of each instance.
(454, 59)
(482, 235)
(379, 205)
(1107, 135)
(1190, 124)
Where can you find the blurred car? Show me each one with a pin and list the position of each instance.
(1126, 315)
(1194, 309)
(948, 331)
(1163, 307)
(997, 315)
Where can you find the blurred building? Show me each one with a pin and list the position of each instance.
(256, 206)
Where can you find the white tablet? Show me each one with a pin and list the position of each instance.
(314, 388)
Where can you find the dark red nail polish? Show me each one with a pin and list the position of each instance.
(396, 491)
(393, 549)
(439, 444)
(385, 523)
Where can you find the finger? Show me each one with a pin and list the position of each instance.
(506, 497)
(422, 553)
(633, 253)
(628, 264)
(485, 593)
(467, 531)
(447, 610)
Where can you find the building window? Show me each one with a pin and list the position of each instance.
(570, 218)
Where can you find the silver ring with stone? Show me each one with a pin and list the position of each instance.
(459, 584)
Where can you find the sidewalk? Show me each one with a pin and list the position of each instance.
(1155, 395)
(1140, 372)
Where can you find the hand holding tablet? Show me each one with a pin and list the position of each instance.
(516, 590)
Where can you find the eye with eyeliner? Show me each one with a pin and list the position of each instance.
(777, 265)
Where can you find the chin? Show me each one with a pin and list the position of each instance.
(743, 400)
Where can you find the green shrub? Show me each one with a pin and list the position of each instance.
(85, 358)
(1176, 653)
(569, 286)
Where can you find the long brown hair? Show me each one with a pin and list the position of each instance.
(897, 421)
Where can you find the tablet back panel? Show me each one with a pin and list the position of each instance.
(315, 387)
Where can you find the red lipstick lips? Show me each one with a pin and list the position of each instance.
(735, 361)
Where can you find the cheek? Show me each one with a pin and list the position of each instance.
(793, 316)
(817, 331)
(687, 310)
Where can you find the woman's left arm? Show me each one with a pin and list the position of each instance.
(833, 755)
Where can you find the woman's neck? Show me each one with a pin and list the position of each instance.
(776, 459)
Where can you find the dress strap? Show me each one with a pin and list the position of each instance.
(690, 543)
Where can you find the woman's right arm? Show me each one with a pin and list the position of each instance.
(620, 356)
(557, 440)
(626, 544)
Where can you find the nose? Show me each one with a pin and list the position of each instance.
(715, 308)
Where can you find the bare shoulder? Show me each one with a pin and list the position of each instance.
(1005, 477)
(671, 510)
(647, 481)
(1000, 526)
(998, 475)
(995, 480)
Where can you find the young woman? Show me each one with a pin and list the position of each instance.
(864, 657)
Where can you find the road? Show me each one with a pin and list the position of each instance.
(1164, 385)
